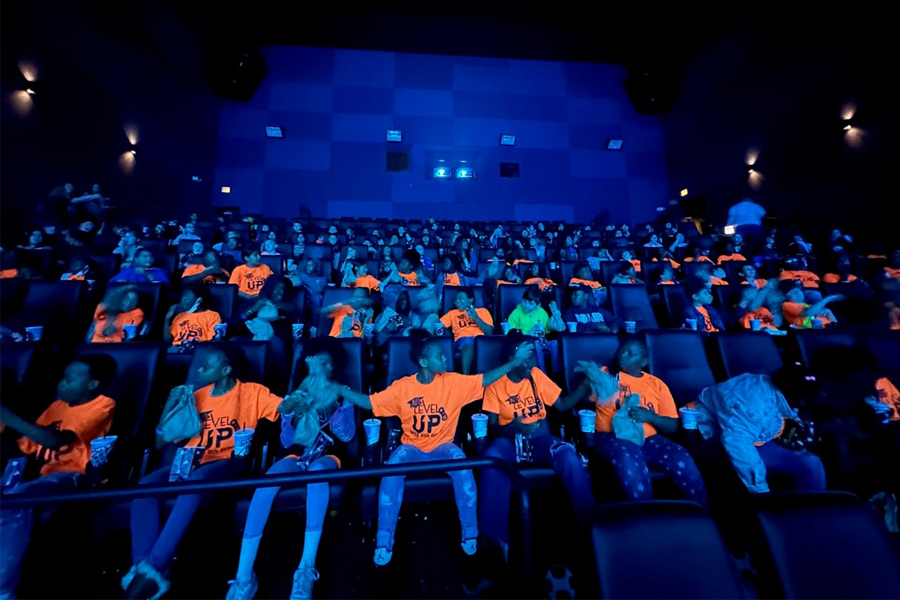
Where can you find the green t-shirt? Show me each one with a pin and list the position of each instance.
(519, 319)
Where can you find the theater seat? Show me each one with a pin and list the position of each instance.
(748, 352)
(828, 545)
(510, 296)
(632, 303)
(675, 300)
(597, 347)
(275, 262)
(59, 307)
(884, 346)
(679, 359)
(448, 297)
(661, 549)
(398, 362)
(224, 298)
(811, 341)
(608, 270)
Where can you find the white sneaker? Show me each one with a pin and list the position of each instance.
(304, 577)
(382, 556)
(161, 582)
(242, 590)
(470, 547)
(129, 577)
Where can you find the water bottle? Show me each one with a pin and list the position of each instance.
(393, 442)
(539, 331)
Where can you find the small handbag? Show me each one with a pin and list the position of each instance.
(183, 421)
(626, 428)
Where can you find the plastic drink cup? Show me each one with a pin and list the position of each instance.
(14, 472)
(630, 326)
(691, 323)
(313, 331)
(297, 330)
(373, 431)
(439, 329)
(553, 266)
(573, 326)
(242, 440)
(689, 417)
(818, 323)
(505, 327)
(755, 324)
(100, 449)
(130, 331)
(33, 334)
(480, 425)
(588, 421)
(220, 328)
(186, 460)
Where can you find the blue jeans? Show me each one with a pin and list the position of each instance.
(158, 548)
(15, 525)
(316, 497)
(390, 494)
(806, 469)
(632, 464)
(546, 449)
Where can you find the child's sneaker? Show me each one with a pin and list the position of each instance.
(242, 590)
(382, 556)
(304, 577)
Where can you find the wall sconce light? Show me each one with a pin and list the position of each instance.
(133, 151)
(684, 192)
(30, 91)
(848, 127)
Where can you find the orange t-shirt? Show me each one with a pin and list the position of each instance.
(9, 273)
(587, 282)
(220, 416)
(759, 283)
(892, 273)
(338, 315)
(368, 282)
(808, 278)
(766, 320)
(655, 396)
(727, 257)
(717, 281)
(507, 399)
(523, 261)
(197, 327)
(691, 259)
(410, 279)
(87, 421)
(671, 262)
(132, 317)
(451, 279)
(637, 265)
(463, 325)
(543, 284)
(668, 282)
(428, 412)
(793, 314)
(250, 281)
(197, 269)
(707, 322)
(836, 278)
(887, 394)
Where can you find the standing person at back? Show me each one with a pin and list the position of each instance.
(251, 275)
(747, 216)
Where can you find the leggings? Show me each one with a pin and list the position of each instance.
(632, 464)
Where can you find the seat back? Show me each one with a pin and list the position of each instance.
(884, 345)
(489, 352)
(733, 270)
(275, 262)
(137, 364)
(680, 540)
(675, 300)
(398, 362)
(595, 347)
(679, 359)
(609, 268)
(567, 269)
(448, 296)
(224, 298)
(812, 341)
(149, 295)
(57, 306)
(828, 545)
(632, 303)
(106, 265)
(255, 364)
(650, 271)
(748, 352)
(509, 297)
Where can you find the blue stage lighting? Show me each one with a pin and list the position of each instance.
(464, 173)
(441, 173)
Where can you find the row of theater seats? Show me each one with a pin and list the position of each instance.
(813, 545)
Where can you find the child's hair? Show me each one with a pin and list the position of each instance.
(248, 250)
(695, 287)
(324, 345)
(101, 367)
(419, 343)
(201, 292)
(413, 258)
(514, 339)
(235, 358)
(533, 293)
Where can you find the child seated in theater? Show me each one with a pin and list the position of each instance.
(190, 320)
(529, 314)
(701, 311)
(142, 270)
(626, 274)
(467, 322)
(208, 271)
(226, 405)
(349, 318)
(700, 255)
(428, 405)
(667, 276)
(794, 268)
(800, 315)
(118, 309)
(60, 441)
(628, 255)
(584, 276)
(843, 272)
(408, 272)
(749, 277)
(81, 268)
(302, 450)
(648, 402)
(710, 274)
(509, 277)
(667, 257)
(251, 275)
(589, 319)
(730, 254)
(752, 306)
(451, 274)
(356, 274)
(533, 277)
